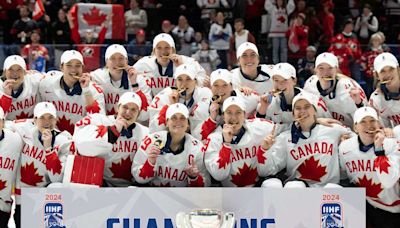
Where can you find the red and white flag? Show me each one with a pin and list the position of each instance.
(38, 10)
(95, 17)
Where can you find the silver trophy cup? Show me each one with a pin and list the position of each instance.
(205, 218)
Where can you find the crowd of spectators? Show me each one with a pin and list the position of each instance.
(285, 30)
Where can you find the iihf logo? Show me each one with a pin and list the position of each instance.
(53, 215)
(331, 215)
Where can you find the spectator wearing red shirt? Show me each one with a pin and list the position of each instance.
(327, 20)
(342, 52)
(253, 12)
(351, 40)
(297, 39)
(367, 62)
(35, 54)
(9, 12)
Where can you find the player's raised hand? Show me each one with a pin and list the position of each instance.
(153, 154)
(8, 85)
(121, 123)
(269, 140)
(378, 138)
(174, 96)
(47, 138)
(227, 132)
(192, 170)
(84, 80)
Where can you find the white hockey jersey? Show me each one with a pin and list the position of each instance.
(207, 126)
(339, 102)
(158, 108)
(280, 112)
(70, 108)
(362, 169)
(159, 78)
(92, 138)
(388, 109)
(169, 167)
(236, 165)
(114, 89)
(313, 159)
(262, 84)
(40, 167)
(10, 151)
(24, 100)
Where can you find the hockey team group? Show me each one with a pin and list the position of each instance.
(164, 122)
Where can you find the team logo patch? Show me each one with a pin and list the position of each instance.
(53, 215)
(331, 215)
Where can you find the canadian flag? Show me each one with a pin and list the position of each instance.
(38, 10)
(89, 16)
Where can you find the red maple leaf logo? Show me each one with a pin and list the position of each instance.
(282, 19)
(94, 17)
(122, 169)
(23, 115)
(53, 163)
(101, 131)
(246, 176)
(64, 124)
(162, 115)
(382, 164)
(224, 157)
(260, 156)
(310, 169)
(3, 184)
(30, 175)
(111, 112)
(372, 189)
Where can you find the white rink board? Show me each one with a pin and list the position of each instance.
(157, 207)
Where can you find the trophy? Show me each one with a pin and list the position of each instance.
(205, 218)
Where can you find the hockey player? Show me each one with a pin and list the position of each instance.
(221, 88)
(21, 87)
(117, 78)
(161, 65)
(277, 105)
(386, 97)
(44, 150)
(230, 151)
(187, 92)
(172, 157)
(250, 76)
(115, 138)
(10, 150)
(341, 94)
(366, 156)
(72, 92)
(308, 151)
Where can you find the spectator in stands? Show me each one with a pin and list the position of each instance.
(351, 40)
(314, 26)
(167, 27)
(35, 54)
(22, 28)
(240, 36)
(196, 44)
(61, 35)
(366, 25)
(135, 19)
(139, 47)
(170, 9)
(207, 58)
(279, 14)
(252, 15)
(342, 52)
(185, 34)
(220, 33)
(207, 7)
(297, 39)
(306, 65)
(367, 62)
(300, 8)
(9, 12)
(385, 47)
(327, 20)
